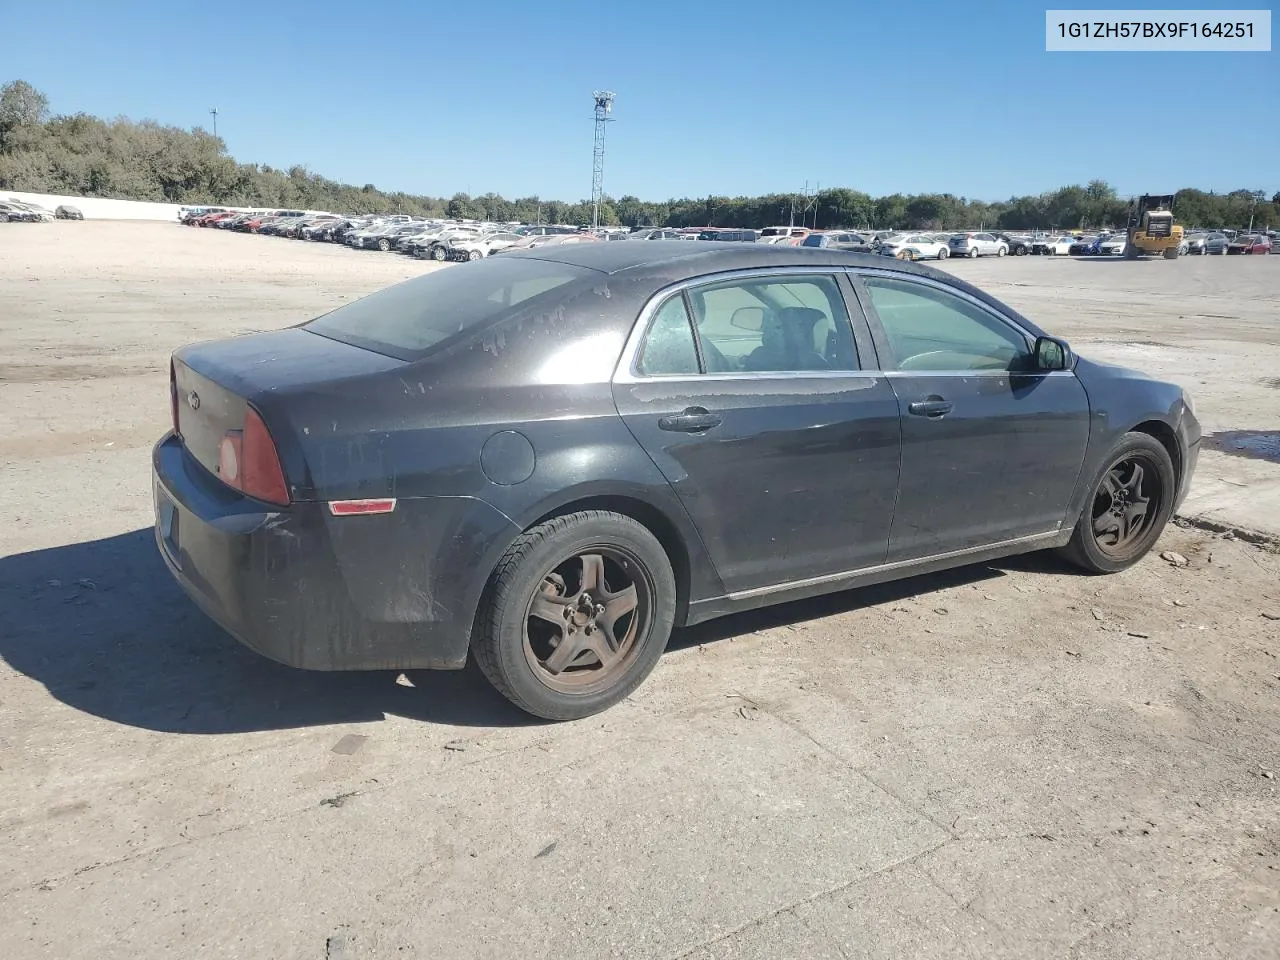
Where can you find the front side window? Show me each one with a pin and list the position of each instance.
(929, 329)
(776, 324)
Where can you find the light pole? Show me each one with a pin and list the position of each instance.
(604, 106)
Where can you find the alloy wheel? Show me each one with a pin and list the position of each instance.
(584, 619)
(1126, 505)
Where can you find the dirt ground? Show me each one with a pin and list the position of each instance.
(1009, 760)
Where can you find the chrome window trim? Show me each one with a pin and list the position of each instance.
(625, 371)
(880, 568)
(903, 374)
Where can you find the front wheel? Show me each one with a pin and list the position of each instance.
(474, 254)
(576, 614)
(384, 245)
(1001, 251)
(438, 253)
(1128, 508)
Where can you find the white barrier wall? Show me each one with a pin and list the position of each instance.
(96, 208)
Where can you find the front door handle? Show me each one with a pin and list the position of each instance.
(692, 420)
(935, 408)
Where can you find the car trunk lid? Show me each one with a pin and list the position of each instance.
(215, 383)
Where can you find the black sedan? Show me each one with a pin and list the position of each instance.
(1018, 246)
(550, 459)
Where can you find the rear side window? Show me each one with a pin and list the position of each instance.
(410, 319)
(669, 348)
(774, 325)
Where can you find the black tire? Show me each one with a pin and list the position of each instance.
(474, 254)
(973, 253)
(503, 641)
(438, 253)
(1158, 486)
(384, 245)
(1001, 251)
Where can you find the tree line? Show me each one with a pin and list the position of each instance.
(82, 155)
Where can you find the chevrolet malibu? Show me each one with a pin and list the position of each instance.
(550, 459)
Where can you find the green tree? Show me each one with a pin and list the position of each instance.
(21, 105)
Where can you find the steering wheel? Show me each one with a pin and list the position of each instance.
(926, 361)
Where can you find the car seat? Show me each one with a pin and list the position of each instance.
(787, 341)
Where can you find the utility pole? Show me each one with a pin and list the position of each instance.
(213, 112)
(604, 106)
(1257, 195)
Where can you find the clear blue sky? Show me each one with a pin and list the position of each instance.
(743, 97)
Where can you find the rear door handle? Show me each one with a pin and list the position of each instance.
(932, 407)
(692, 420)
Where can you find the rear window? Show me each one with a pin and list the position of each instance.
(410, 319)
(812, 240)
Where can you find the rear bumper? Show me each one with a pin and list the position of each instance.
(393, 591)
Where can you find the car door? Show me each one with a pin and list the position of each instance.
(749, 396)
(991, 449)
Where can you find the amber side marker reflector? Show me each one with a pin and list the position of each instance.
(355, 508)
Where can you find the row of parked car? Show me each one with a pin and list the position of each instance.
(13, 210)
(442, 240)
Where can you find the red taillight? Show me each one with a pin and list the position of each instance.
(173, 397)
(248, 461)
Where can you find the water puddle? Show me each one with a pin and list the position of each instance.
(1246, 443)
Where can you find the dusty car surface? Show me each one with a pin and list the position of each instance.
(551, 458)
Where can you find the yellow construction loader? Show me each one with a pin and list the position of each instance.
(1152, 231)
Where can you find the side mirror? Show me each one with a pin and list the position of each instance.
(1052, 354)
(748, 318)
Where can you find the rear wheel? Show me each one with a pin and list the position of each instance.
(1001, 251)
(576, 614)
(1171, 253)
(438, 253)
(1050, 251)
(474, 254)
(973, 253)
(1128, 508)
(943, 253)
(905, 255)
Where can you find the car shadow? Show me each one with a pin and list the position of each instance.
(104, 627)
(798, 612)
(106, 630)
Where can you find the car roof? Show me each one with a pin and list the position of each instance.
(677, 260)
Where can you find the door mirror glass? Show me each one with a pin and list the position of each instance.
(1051, 354)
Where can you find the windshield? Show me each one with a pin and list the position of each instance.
(410, 319)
